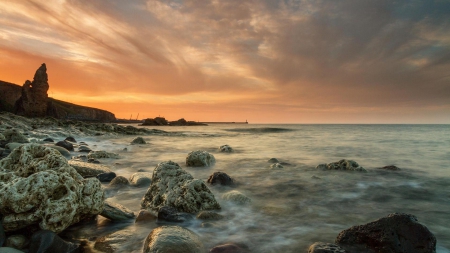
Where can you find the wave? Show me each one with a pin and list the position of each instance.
(260, 130)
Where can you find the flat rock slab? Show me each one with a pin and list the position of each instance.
(116, 212)
(88, 169)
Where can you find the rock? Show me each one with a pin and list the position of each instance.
(48, 140)
(321, 247)
(2, 137)
(144, 216)
(168, 213)
(236, 197)
(138, 140)
(273, 160)
(61, 150)
(34, 99)
(88, 169)
(172, 186)
(200, 159)
(9, 250)
(71, 139)
(112, 242)
(106, 177)
(45, 241)
(208, 215)
(220, 178)
(226, 148)
(342, 165)
(2, 233)
(65, 144)
(276, 166)
(13, 135)
(141, 179)
(92, 160)
(229, 248)
(85, 149)
(17, 242)
(39, 187)
(101, 154)
(118, 182)
(173, 239)
(82, 143)
(158, 121)
(394, 233)
(390, 167)
(116, 212)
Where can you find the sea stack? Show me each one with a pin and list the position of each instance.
(34, 99)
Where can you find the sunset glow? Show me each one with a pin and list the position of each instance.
(263, 61)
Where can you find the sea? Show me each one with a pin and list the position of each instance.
(294, 206)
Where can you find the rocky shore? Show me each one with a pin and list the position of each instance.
(51, 182)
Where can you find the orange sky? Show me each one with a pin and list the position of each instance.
(264, 61)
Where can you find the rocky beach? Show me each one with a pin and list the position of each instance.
(72, 186)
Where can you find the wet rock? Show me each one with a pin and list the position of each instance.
(39, 187)
(229, 248)
(82, 143)
(17, 242)
(138, 140)
(116, 212)
(2, 233)
(276, 166)
(173, 239)
(393, 233)
(13, 135)
(65, 144)
(101, 154)
(88, 169)
(141, 179)
(342, 165)
(144, 216)
(61, 150)
(9, 250)
(85, 149)
(273, 160)
(119, 182)
(172, 186)
(112, 242)
(106, 177)
(236, 197)
(220, 178)
(200, 159)
(48, 140)
(168, 213)
(71, 139)
(45, 241)
(93, 160)
(390, 167)
(321, 247)
(208, 215)
(226, 149)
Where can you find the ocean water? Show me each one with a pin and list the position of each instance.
(297, 205)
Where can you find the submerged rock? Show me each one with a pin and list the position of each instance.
(172, 186)
(393, 233)
(119, 182)
(200, 158)
(209, 215)
(321, 247)
(390, 167)
(276, 166)
(71, 139)
(273, 160)
(45, 241)
(173, 239)
(85, 149)
(138, 140)
(39, 187)
(86, 169)
(141, 179)
(342, 165)
(236, 197)
(116, 212)
(221, 178)
(168, 213)
(101, 154)
(225, 148)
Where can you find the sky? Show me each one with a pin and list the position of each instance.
(265, 61)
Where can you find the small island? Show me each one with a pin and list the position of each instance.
(161, 121)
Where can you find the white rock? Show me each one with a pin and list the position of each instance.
(101, 154)
(172, 186)
(236, 197)
(173, 239)
(200, 158)
(39, 187)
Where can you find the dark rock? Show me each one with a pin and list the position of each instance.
(82, 143)
(106, 177)
(85, 149)
(158, 121)
(138, 140)
(65, 144)
(390, 167)
(116, 212)
(71, 139)
(93, 160)
(393, 233)
(220, 178)
(34, 99)
(226, 148)
(17, 242)
(273, 160)
(46, 241)
(321, 247)
(343, 164)
(229, 248)
(2, 233)
(48, 140)
(168, 213)
(144, 216)
(119, 181)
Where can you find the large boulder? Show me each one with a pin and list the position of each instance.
(39, 187)
(200, 158)
(172, 186)
(342, 165)
(173, 239)
(393, 233)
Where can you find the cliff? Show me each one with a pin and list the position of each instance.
(32, 100)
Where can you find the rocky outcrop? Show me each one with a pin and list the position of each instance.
(39, 187)
(34, 99)
(342, 165)
(10, 94)
(158, 121)
(172, 186)
(173, 239)
(393, 233)
(200, 158)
